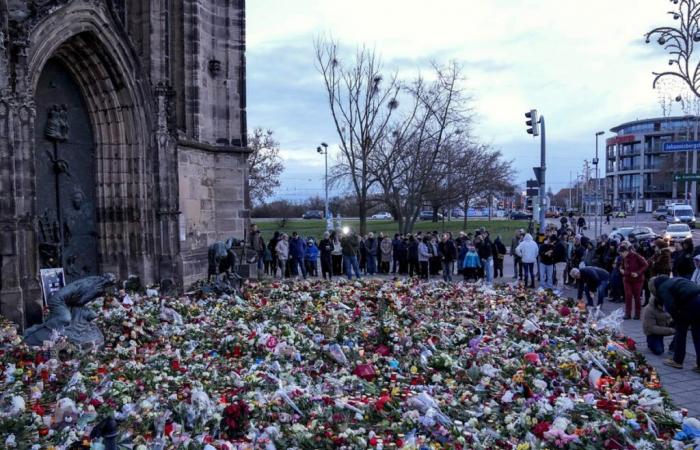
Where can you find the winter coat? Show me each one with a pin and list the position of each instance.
(634, 263)
(462, 254)
(485, 249)
(413, 250)
(547, 254)
(371, 245)
(660, 263)
(350, 245)
(326, 248)
(514, 244)
(386, 247)
(560, 252)
(675, 293)
(282, 249)
(423, 252)
(591, 277)
(656, 321)
(311, 253)
(527, 249)
(500, 249)
(683, 265)
(448, 251)
(471, 260)
(297, 248)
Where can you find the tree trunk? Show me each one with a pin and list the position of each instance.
(436, 210)
(363, 216)
(466, 213)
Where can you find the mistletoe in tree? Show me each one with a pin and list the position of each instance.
(680, 42)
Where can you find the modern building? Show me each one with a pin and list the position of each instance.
(122, 140)
(638, 171)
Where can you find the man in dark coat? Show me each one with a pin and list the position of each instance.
(681, 298)
(591, 279)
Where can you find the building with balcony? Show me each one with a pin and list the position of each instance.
(638, 171)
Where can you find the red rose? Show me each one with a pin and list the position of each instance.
(541, 428)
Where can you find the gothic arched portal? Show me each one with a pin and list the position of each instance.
(65, 174)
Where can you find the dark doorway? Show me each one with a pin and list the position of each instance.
(65, 175)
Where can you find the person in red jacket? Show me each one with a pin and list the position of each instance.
(632, 271)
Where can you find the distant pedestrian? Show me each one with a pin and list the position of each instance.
(632, 271)
(448, 253)
(386, 247)
(581, 222)
(528, 251)
(326, 250)
(282, 249)
(498, 257)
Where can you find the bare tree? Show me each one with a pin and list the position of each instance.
(361, 102)
(264, 165)
(408, 163)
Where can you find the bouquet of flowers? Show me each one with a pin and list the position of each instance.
(321, 365)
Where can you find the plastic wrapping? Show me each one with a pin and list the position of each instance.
(612, 322)
(337, 354)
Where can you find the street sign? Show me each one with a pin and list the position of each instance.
(532, 184)
(687, 177)
(533, 192)
(683, 146)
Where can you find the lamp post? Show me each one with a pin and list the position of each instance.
(598, 218)
(323, 149)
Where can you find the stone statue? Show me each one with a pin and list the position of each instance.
(57, 124)
(68, 315)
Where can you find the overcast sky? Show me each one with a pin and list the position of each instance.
(583, 64)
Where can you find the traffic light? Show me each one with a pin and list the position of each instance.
(532, 123)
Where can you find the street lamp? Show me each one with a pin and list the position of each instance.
(323, 150)
(598, 218)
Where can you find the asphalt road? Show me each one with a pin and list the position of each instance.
(642, 220)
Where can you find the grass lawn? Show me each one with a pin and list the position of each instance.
(506, 228)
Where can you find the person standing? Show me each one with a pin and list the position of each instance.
(336, 254)
(471, 263)
(282, 250)
(632, 271)
(258, 244)
(424, 258)
(351, 248)
(272, 245)
(517, 260)
(485, 249)
(326, 249)
(448, 253)
(396, 253)
(434, 264)
(372, 247)
(386, 247)
(499, 257)
(696, 274)
(683, 260)
(297, 253)
(528, 251)
(681, 298)
(413, 266)
(311, 258)
(581, 222)
(546, 253)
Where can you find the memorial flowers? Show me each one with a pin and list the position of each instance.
(319, 365)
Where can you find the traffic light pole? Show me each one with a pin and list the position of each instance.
(543, 166)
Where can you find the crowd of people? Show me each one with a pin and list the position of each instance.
(636, 273)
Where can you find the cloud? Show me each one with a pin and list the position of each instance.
(583, 65)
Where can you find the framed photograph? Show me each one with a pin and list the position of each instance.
(51, 281)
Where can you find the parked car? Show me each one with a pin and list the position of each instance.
(552, 214)
(382, 216)
(643, 234)
(660, 213)
(313, 214)
(520, 215)
(620, 215)
(677, 232)
(621, 233)
(457, 213)
(428, 215)
(681, 214)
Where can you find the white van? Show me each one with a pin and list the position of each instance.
(681, 214)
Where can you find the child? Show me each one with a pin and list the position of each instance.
(656, 325)
(311, 258)
(471, 264)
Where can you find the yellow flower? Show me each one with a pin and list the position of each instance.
(524, 446)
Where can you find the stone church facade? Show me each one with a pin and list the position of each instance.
(122, 140)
